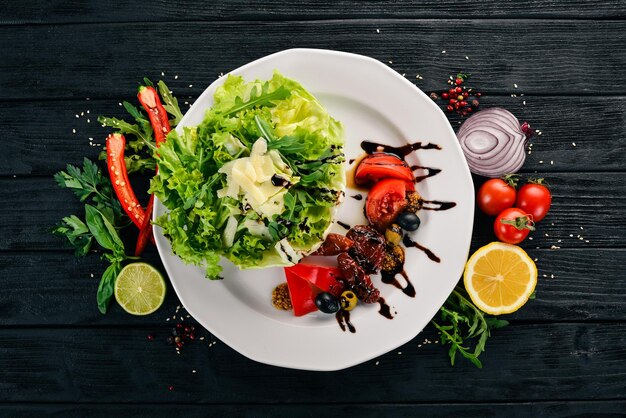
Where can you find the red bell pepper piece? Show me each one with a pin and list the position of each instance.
(306, 281)
(119, 178)
(149, 99)
(145, 234)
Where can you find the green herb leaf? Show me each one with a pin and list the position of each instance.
(107, 286)
(262, 98)
(460, 323)
(170, 103)
(102, 230)
(76, 232)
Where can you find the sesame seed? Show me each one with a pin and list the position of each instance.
(377, 30)
(175, 77)
(582, 227)
(466, 57)
(573, 144)
(88, 120)
(530, 238)
(515, 85)
(191, 85)
(119, 103)
(552, 276)
(540, 133)
(443, 52)
(390, 62)
(586, 240)
(87, 98)
(167, 319)
(73, 131)
(377, 363)
(91, 274)
(524, 102)
(554, 247)
(545, 275)
(162, 73)
(551, 162)
(88, 112)
(541, 162)
(559, 240)
(399, 352)
(571, 235)
(419, 345)
(77, 116)
(193, 371)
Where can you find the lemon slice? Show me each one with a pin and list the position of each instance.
(500, 278)
(140, 289)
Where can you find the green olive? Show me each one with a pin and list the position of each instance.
(393, 234)
(348, 300)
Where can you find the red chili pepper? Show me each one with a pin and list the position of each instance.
(119, 178)
(306, 281)
(145, 234)
(149, 99)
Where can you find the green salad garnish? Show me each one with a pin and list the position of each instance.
(256, 182)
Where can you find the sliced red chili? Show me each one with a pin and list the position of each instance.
(145, 234)
(149, 99)
(119, 178)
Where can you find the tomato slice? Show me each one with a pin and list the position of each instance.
(381, 165)
(306, 281)
(385, 201)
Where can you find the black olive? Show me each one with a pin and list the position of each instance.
(408, 221)
(327, 303)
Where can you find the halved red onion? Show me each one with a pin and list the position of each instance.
(494, 142)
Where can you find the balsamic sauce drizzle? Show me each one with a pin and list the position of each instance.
(385, 310)
(390, 278)
(429, 172)
(357, 196)
(343, 225)
(372, 147)
(439, 205)
(410, 243)
(343, 319)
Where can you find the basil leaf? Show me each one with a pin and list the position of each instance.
(102, 230)
(107, 285)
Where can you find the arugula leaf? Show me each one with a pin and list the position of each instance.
(76, 232)
(461, 321)
(262, 98)
(170, 103)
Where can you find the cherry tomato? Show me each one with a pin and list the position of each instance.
(513, 225)
(385, 201)
(535, 199)
(379, 166)
(495, 195)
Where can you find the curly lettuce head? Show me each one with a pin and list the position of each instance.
(256, 182)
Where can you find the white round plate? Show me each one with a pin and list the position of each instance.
(376, 103)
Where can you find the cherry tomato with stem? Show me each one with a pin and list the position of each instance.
(534, 198)
(513, 225)
(495, 195)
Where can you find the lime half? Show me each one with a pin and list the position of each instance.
(140, 289)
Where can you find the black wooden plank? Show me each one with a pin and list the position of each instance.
(466, 410)
(523, 363)
(45, 147)
(111, 11)
(104, 60)
(574, 285)
(595, 202)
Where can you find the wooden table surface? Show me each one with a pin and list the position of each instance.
(563, 354)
